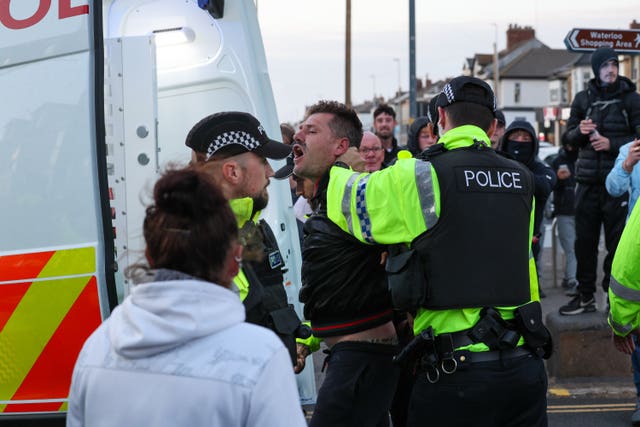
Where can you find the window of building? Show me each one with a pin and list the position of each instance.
(516, 93)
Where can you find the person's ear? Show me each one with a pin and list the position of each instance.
(442, 120)
(492, 128)
(237, 260)
(232, 172)
(232, 265)
(341, 147)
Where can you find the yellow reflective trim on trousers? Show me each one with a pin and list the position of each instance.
(38, 315)
(64, 407)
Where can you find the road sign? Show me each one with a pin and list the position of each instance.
(586, 40)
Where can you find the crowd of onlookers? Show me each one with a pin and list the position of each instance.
(209, 338)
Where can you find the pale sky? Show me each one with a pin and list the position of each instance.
(304, 40)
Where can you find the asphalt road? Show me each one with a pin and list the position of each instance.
(589, 412)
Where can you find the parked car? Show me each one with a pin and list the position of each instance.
(547, 151)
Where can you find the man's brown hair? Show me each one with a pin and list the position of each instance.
(345, 122)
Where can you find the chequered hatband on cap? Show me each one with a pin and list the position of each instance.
(458, 90)
(232, 133)
(238, 137)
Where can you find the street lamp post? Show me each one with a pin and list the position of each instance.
(496, 65)
(412, 59)
(347, 54)
(373, 78)
(397, 60)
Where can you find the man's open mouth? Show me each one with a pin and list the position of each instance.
(297, 151)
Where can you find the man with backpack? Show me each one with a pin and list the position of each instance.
(604, 117)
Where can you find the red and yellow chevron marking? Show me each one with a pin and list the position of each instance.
(47, 310)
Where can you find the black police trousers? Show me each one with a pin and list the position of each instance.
(504, 393)
(596, 208)
(358, 387)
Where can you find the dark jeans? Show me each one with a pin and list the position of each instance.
(594, 208)
(511, 392)
(359, 386)
(400, 404)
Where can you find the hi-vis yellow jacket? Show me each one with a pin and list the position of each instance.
(242, 208)
(624, 288)
(397, 204)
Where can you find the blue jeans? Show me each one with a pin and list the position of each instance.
(567, 237)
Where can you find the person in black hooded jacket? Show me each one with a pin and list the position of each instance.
(603, 117)
(423, 132)
(520, 142)
(413, 140)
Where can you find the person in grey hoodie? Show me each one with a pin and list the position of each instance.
(176, 351)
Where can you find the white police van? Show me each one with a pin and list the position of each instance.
(98, 97)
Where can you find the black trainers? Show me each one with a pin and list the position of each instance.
(578, 305)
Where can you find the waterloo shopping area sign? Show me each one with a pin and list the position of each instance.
(587, 40)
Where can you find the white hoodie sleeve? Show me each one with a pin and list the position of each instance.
(75, 410)
(275, 399)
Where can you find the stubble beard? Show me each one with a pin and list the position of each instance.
(261, 200)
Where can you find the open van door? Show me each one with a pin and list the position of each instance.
(56, 248)
(98, 96)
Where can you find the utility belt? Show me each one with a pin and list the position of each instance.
(433, 354)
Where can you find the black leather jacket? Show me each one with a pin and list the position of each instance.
(344, 288)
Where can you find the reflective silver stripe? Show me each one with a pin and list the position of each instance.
(346, 201)
(623, 292)
(621, 329)
(361, 210)
(425, 193)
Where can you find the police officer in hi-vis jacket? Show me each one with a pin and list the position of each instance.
(478, 324)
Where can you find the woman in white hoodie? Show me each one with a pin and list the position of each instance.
(177, 352)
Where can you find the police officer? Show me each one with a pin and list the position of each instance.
(478, 364)
(624, 290)
(235, 147)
